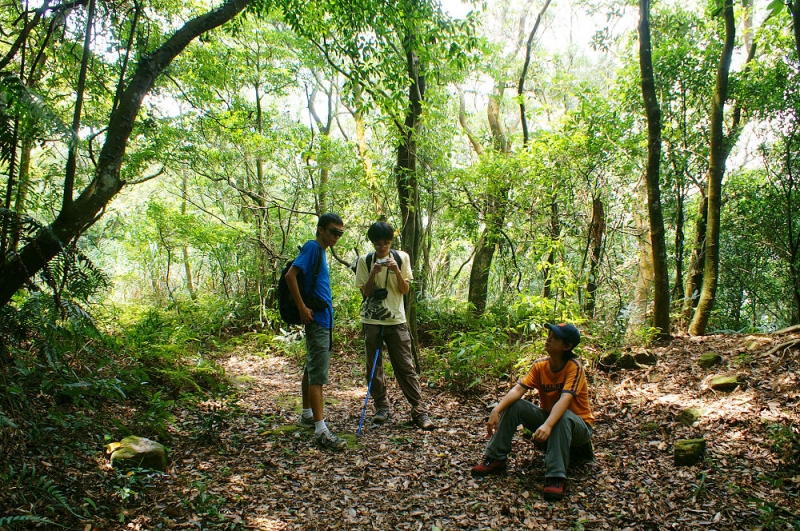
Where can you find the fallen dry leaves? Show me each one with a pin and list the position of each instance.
(258, 472)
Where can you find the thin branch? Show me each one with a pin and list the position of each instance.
(521, 86)
(148, 177)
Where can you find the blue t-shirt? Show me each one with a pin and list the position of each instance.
(306, 261)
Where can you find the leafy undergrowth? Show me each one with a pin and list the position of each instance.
(241, 464)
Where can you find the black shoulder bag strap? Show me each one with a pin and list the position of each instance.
(317, 269)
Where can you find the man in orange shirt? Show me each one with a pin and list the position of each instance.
(563, 421)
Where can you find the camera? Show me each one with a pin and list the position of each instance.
(380, 294)
(382, 261)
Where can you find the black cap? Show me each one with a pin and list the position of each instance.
(567, 332)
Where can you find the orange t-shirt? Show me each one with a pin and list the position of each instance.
(571, 379)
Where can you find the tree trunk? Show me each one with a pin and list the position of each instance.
(187, 264)
(408, 186)
(716, 171)
(323, 160)
(425, 274)
(596, 231)
(795, 293)
(794, 7)
(494, 217)
(264, 280)
(637, 309)
(524, 74)
(694, 277)
(72, 155)
(71, 222)
(677, 288)
(555, 234)
(659, 247)
(23, 187)
(462, 119)
(10, 223)
(479, 274)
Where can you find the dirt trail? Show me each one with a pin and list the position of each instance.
(262, 473)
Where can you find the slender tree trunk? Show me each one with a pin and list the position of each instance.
(487, 246)
(694, 274)
(494, 217)
(657, 234)
(406, 171)
(524, 74)
(264, 281)
(72, 156)
(10, 223)
(323, 161)
(637, 309)
(427, 244)
(408, 186)
(795, 272)
(677, 289)
(555, 235)
(70, 223)
(187, 264)
(479, 274)
(462, 119)
(596, 231)
(716, 171)
(23, 187)
(794, 7)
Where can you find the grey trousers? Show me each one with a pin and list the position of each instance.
(398, 343)
(569, 431)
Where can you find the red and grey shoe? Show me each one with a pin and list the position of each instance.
(554, 488)
(490, 466)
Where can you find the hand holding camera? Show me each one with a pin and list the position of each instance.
(387, 262)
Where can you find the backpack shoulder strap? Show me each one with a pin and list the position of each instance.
(368, 260)
(317, 269)
(397, 259)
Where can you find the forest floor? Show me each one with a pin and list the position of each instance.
(254, 470)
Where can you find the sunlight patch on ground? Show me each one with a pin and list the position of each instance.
(266, 524)
(732, 407)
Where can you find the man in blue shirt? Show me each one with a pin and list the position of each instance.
(317, 314)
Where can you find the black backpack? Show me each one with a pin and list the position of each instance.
(289, 311)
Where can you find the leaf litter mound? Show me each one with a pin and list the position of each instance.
(253, 469)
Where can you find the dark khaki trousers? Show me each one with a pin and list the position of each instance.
(398, 344)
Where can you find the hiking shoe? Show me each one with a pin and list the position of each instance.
(306, 423)
(490, 466)
(328, 439)
(554, 488)
(424, 422)
(382, 416)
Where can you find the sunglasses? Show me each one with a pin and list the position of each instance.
(335, 232)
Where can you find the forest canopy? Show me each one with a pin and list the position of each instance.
(149, 162)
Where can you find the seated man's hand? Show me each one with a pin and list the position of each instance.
(542, 433)
(494, 420)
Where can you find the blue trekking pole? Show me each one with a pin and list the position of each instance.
(369, 385)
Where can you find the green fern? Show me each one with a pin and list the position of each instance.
(47, 486)
(6, 422)
(50, 488)
(6, 521)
